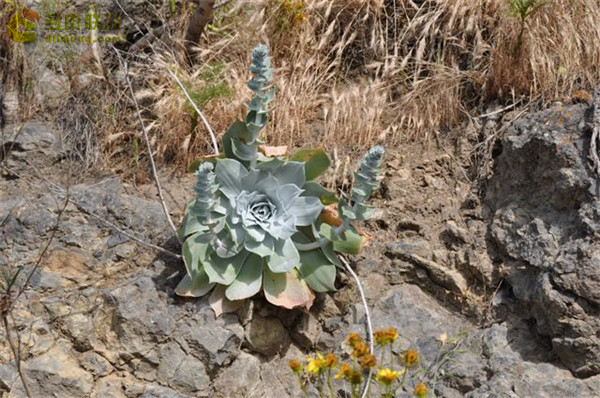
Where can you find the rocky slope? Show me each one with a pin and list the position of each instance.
(519, 275)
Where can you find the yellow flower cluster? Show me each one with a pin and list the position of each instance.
(385, 337)
(319, 367)
(320, 363)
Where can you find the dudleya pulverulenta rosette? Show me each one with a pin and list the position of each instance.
(255, 220)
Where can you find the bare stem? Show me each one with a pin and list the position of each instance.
(148, 146)
(367, 316)
(213, 138)
(17, 354)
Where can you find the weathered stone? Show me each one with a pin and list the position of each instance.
(409, 247)
(109, 387)
(544, 214)
(27, 137)
(266, 335)
(456, 233)
(307, 331)
(56, 373)
(239, 379)
(96, 364)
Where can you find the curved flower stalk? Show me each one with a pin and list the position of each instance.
(367, 180)
(242, 139)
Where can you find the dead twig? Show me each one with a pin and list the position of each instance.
(213, 138)
(367, 316)
(595, 131)
(148, 146)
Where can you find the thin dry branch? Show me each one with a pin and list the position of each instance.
(367, 316)
(595, 131)
(148, 146)
(213, 138)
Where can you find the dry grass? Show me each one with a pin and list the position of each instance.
(351, 73)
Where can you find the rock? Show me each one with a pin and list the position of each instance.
(216, 342)
(56, 373)
(27, 137)
(266, 335)
(544, 214)
(109, 387)
(408, 247)
(181, 371)
(307, 331)
(455, 233)
(240, 379)
(141, 316)
(96, 364)
(443, 276)
(411, 225)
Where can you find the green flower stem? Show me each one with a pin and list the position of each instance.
(330, 383)
(304, 247)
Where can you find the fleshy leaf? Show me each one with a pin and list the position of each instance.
(291, 173)
(313, 188)
(194, 251)
(287, 290)
(263, 249)
(197, 286)
(224, 270)
(243, 151)
(316, 161)
(237, 131)
(248, 281)
(229, 174)
(316, 269)
(285, 258)
(348, 242)
(306, 210)
(220, 303)
(191, 224)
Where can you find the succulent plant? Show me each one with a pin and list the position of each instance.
(255, 222)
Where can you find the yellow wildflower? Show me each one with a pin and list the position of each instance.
(315, 365)
(330, 360)
(360, 349)
(387, 376)
(295, 365)
(368, 361)
(355, 377)
(344, 371)
(384, 337)
(411, 357)
(420, 390)
(353, 339)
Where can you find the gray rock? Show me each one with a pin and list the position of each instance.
(56, 373)
(109, 387)
(141, 316)
(96, 364)
(27, 137)
(545, 212)
(307, 331)
(181, 371)
(266, 335)
(493, 363)
(239, 379)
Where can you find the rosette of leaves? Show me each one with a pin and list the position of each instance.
(256, 223)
